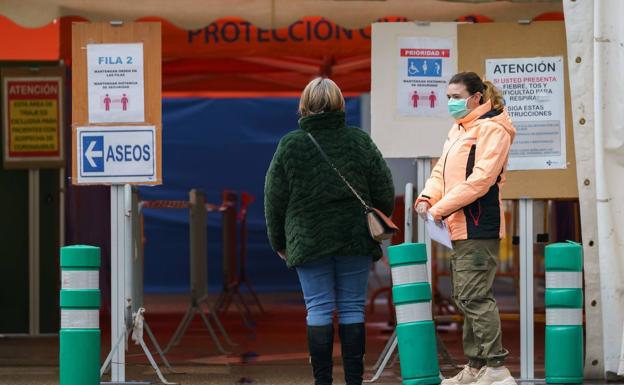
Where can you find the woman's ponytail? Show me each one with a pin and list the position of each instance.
(474, 84)
(493, 94)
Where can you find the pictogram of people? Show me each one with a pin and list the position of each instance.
(415, 98)
(107, 102)
(437, 66)
(425, 66)
(432, 99)
(124, 102)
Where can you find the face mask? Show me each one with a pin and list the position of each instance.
(458, 107)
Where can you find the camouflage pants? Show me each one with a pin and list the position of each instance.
(473, 267)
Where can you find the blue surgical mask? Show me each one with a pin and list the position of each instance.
(458, 107)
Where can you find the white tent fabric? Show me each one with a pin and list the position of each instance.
(596, 56)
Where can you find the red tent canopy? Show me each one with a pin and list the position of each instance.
(230, 56)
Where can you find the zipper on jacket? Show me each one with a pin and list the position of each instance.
(445, 158)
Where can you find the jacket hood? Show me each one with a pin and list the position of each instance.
(504, 120)
(485, 111)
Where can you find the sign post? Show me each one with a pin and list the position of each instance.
(116, 141)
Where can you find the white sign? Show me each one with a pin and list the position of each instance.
(534, 96)
(116, 155)
(115, 83)
(399, 129)
(424, 70)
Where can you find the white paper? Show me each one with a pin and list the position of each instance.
(115, 82)
(534, 96)
(424, 70)
(439, 233)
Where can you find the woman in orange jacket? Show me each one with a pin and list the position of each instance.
(465, 190)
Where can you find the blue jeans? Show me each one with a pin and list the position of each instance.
(335, 282)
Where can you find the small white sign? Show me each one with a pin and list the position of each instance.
(534, 96)
(424, 69)
(116, 155)
(115, 83)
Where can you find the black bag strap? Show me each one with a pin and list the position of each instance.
(324, 155)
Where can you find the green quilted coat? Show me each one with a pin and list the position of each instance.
(310, 213)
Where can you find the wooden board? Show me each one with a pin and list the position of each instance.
(479, 42)
(104, 33)
(54, 74)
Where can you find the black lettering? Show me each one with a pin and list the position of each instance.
(224, 32)
(192, 34)
(110, 154)
(119, 153)
(276, 36)
(247, 26)
(317, 30)
(135, 156)
(261, 38)
(291, 31)
(364, 34)
(146, 152)
(211, 30)
(348, 33)
(127, 153)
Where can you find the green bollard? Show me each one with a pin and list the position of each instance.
(415, 329)
(564, 313)
(80, 316)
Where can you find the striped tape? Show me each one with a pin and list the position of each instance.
(80, 279)
(564, 280)
(80, 319)
(564, 317)
(409, 274)
(413, 312)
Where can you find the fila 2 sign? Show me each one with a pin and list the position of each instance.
(116, 154)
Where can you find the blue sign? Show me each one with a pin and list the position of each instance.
(117, 155)
(424, 67)
(93, 153)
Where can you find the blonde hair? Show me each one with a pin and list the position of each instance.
(494, 95)
(321, 95)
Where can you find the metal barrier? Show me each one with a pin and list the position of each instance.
(235, 269)
(198, 269)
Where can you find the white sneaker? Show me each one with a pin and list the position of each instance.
(495, 376)
(467, 376)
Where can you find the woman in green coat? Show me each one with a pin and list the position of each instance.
(317, 225)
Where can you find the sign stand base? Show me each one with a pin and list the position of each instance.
(139, 322)
(196, 308)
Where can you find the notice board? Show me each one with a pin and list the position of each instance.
(146, 35)
(33, 117)
(480, 42)
(411, 65)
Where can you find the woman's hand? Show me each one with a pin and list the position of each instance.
(436, 218)
(422, 208)
(282, 254)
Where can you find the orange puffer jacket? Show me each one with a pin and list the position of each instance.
(465, 185)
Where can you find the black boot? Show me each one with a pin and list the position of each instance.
(321, 346)
(353, 342)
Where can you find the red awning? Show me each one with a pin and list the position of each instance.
(230, 54)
